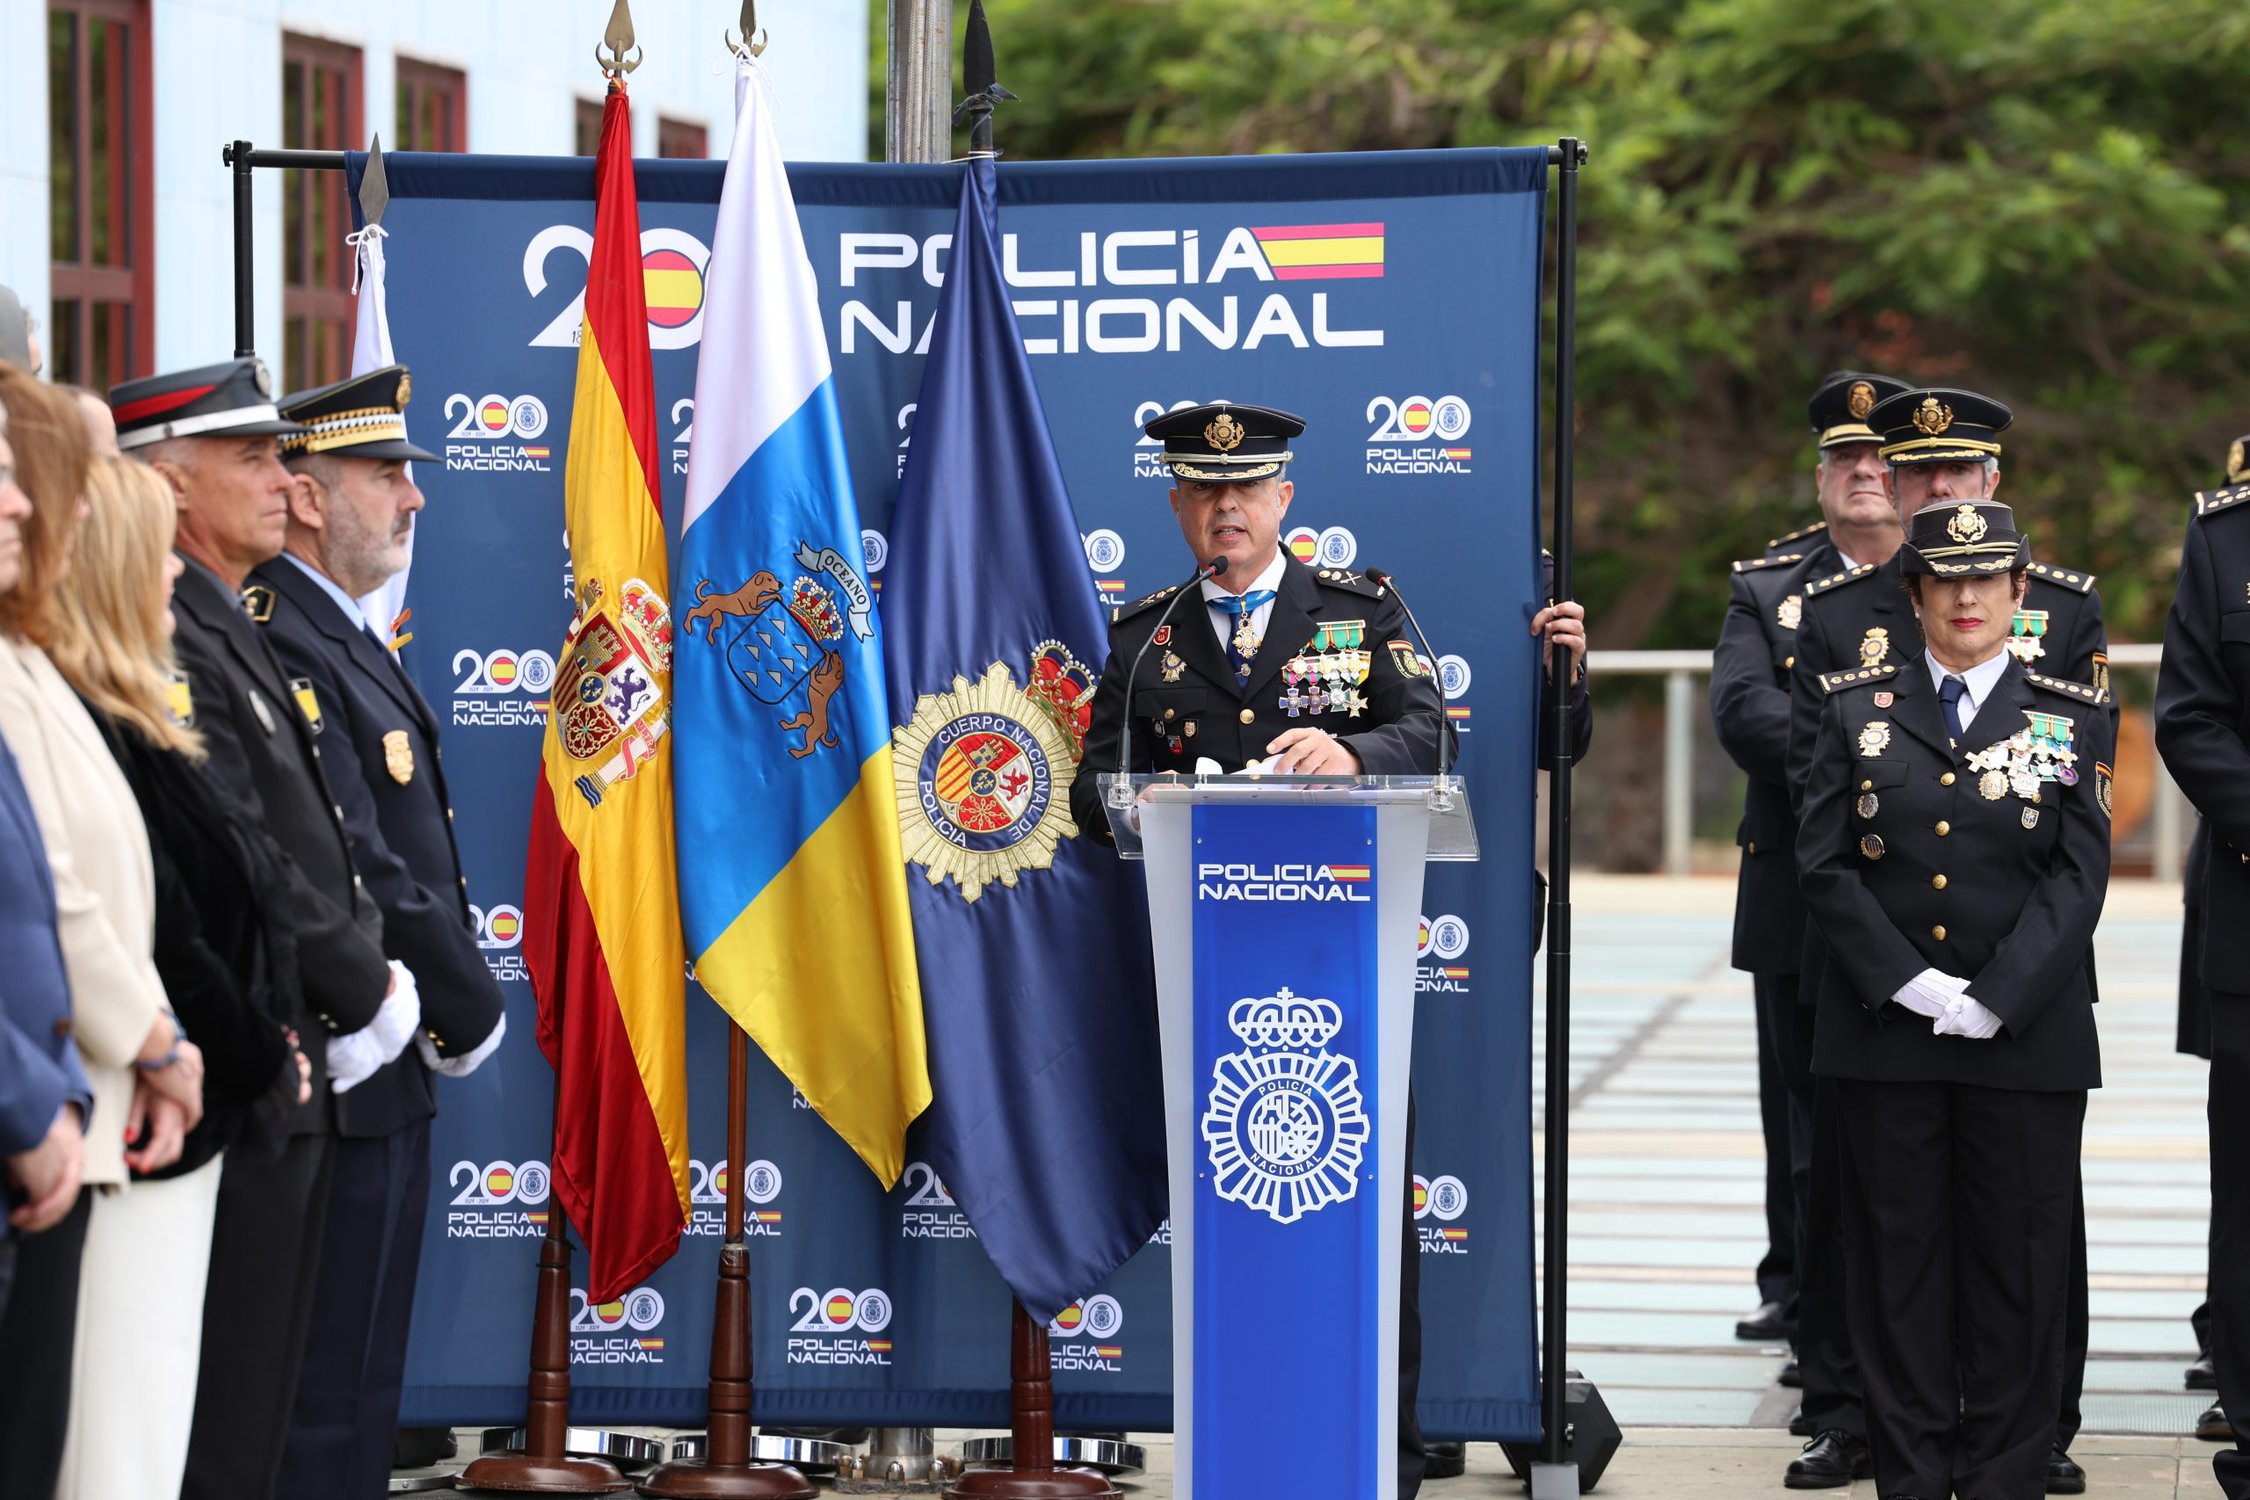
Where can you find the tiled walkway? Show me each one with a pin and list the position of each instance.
(1667, 1166)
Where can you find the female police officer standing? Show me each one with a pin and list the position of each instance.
(1954, 850)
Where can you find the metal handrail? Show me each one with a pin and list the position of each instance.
(1680, 669)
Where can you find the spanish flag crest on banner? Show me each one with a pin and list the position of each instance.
(601, 904)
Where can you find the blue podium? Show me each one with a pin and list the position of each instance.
(1284, 916)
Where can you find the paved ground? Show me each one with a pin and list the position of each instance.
(1666, 1217)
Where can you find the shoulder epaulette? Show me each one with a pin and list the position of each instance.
(1748, 564)
(1798, 535)
(2068, 578)
(1831, 682)
(2207, 501)
(2083, 692)
(1127, 611)
(1353, 581)
(257, 603)
(1837, 580)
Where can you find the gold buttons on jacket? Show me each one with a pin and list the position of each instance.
(1249, 716)
(1789, 661)
(1946, 779)
(1753, 847)
(1943, 828)
(1171, 713)
(1938, 881)
(1867, 786)
(1938, 933)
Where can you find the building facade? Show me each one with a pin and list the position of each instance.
(116, 211)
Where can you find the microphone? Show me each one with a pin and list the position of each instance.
(1446, 734)
(1121, 795)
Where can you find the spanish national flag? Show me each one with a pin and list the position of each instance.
(601, 894)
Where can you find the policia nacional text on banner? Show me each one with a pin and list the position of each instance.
(1393, 300)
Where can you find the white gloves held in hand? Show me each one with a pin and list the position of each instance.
(1952, 1010)
(354, 1057)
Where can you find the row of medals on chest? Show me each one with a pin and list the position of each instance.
(1327, 674)
(2034, 755)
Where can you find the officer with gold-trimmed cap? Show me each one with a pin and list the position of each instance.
(1800, 1297)
(352, 507)
(1954, 846)
(1943, 448)
(1313, 670)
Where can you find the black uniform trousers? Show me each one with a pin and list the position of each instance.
(1820, 1176)
(344, 1428)
(1960, 1277)
(2229, 1296)
(38, 1337)
(257, 1314)
(1774, 996)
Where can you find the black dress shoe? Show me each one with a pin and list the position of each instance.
(1790, 1378)
(1766, 1323)
(1830, 1462)
(2064, 1477)
(2213, 1426)
(1800, 1425)
(1445, 1460)
(2202, 1375)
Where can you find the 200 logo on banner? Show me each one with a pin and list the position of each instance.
(479, 440)
(501, 688)
(484, 1199)
(829, 1324)
(707, 1193)
(1085, 1336)
(617, 1333)
(1418, 435)
(927, 1211)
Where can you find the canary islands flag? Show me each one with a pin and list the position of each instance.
(789, 838)
(601, 900)
(1047, 1123)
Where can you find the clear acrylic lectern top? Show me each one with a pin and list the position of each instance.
(1453, 833)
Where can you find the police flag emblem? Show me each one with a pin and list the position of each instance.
(1285, 1124)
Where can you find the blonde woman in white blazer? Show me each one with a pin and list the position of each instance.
(146, 1079)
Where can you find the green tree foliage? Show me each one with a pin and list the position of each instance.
(2041, 199)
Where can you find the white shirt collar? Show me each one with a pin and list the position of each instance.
(332, 589)
(1269, 579)
(1979, 679)
(1847, 559)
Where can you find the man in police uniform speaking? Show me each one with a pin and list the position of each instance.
(211, 433)
(1310, 670)
(351, 513)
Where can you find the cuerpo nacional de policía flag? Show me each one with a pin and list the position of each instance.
(788, 831)
(601, 896)
(1047, 1122)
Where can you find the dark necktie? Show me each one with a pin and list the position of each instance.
(1243, 640)
(1950, 692)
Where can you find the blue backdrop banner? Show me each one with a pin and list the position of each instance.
(1393, 300)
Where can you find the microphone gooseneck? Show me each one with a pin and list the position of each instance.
(1121, 794)
(1446, 731)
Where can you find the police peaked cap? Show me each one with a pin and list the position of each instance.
(234, 399)
(2238, 460)
(362, 417)
(1939, 426)
(1225, 442)
(1953, 537)
(1839, 408)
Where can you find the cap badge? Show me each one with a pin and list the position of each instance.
(1862, 398)
(1224, 433)
(2235, 457)
(405, 388)
(261, 377)
(1967, 525)
(1932, 417)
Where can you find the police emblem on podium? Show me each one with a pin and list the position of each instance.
(1284, 1123)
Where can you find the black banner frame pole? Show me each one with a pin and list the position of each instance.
(243, 157)
(1555, 1475)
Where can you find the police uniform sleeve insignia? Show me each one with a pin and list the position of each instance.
(179, 701)
(257, 603)
(308, 701)
(2102, 778)
(1402, 657)
(398, 756)
(2069, 578)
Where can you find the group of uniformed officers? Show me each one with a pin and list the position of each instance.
(1923, 713)
(246, 823)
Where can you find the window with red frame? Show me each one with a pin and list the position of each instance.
(433, 108)
(320, 111)
(678, 138)
(101, 210)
